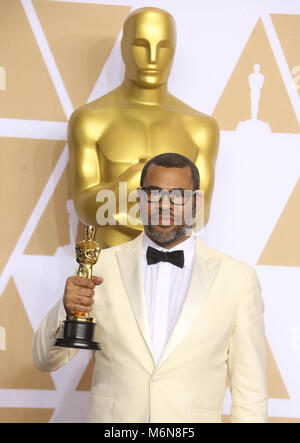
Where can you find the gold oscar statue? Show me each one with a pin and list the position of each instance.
(79, 328)
(87, 253)
(111, 138)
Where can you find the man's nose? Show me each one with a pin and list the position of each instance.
(165, 201)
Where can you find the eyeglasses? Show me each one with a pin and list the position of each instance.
(177, 197)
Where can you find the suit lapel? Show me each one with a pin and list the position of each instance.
(204, 272)
(129, 260)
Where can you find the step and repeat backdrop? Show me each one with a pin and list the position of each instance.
(236, 60)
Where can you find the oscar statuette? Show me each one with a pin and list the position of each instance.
(78, 329)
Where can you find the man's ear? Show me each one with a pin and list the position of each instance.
(199, 199)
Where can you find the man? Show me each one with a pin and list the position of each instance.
(170, 331)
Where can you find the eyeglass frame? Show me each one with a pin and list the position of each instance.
(163, 192)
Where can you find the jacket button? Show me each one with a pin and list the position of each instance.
(156, 378)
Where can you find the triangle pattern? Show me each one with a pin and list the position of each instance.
(53, 228)
(25, 415)
(226, 419)
(81, 37)
(17, 370)
(28, 83)
(276, 386)
(57, 223)
(288, 31)
(275, 107)
(283, 246)
(85, 382)
(27, 163)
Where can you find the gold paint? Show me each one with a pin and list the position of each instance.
(111, 138)
(87, 254)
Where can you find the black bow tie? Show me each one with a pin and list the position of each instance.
(155, 256)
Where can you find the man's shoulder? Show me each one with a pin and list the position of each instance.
(108, 260)
(233, 273)
(226, 259)
(123, 247)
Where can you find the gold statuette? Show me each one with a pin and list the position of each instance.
(79, 328)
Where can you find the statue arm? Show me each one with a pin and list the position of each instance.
(85, 171)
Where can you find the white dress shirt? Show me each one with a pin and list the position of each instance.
(165, 289)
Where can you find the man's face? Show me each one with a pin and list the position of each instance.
(163, 221)
(148, 47)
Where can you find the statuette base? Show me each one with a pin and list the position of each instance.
(78, 334)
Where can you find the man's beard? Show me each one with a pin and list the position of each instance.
(161, 236)
(166, 236)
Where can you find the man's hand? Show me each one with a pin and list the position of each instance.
(79, 294)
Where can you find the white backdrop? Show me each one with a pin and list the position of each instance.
(255, 212)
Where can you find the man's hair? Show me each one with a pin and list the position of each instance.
(172, 160)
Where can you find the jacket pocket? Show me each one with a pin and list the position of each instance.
(100, 409)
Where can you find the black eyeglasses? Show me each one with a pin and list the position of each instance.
(177, 197)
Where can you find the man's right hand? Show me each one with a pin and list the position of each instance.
(79, 294)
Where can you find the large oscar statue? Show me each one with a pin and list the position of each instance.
(111, 138)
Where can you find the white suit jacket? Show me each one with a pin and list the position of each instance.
(219, 335)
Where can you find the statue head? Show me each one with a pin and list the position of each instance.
(90, 232)
(148, 46)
